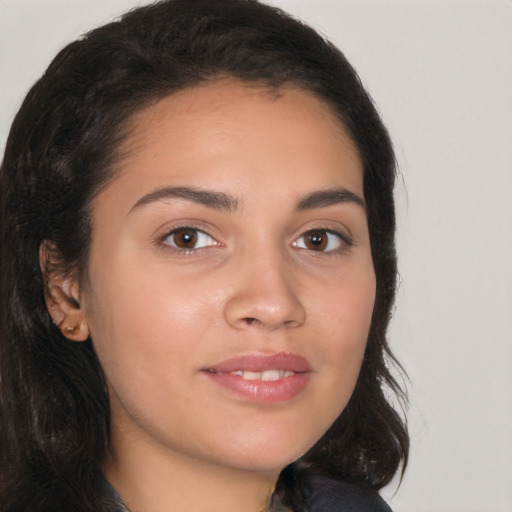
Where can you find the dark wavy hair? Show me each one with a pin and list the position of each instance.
(63, 148)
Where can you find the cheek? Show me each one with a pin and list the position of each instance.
(346, 304)
(340, 319)
(346, 312)
(141, 330)
(141, 322)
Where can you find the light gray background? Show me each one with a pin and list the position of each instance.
(441, 74)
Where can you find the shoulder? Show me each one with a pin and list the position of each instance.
(327, 495)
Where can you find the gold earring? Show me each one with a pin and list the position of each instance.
(69, 329)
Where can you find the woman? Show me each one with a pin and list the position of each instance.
(198, 268)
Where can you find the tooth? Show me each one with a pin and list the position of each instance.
(267, 375)
(251, 375)
(270, 375)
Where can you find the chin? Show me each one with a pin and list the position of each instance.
(269, 455)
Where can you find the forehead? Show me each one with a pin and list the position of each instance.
(216, 96)
(230, 133)
(200, 109)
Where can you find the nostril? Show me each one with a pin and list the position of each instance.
(250, 320)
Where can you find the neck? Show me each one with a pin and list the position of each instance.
(156, 481)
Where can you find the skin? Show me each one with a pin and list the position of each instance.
(159, 314)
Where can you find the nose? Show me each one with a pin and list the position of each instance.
(264, 295)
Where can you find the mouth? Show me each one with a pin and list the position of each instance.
(266, 375)
(262, 378)
(268, 364)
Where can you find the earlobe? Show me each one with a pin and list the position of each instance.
(62, 297)
(75, 332)
(66, 311)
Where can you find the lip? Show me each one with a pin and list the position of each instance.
(281, 390)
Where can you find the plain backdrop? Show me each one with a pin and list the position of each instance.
(440, 72)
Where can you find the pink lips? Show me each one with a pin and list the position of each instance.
(262, 378)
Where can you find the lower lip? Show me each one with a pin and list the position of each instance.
(262, 391)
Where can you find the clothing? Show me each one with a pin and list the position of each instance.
(327, 495)
(324, 495)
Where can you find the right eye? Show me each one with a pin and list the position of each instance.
(322, 240)
(189, 239)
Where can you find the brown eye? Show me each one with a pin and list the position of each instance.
(189, 239)
(185, 238)
(321, 240)
(316, 240)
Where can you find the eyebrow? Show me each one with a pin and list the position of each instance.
(225, 202)
(209, 198)
(329, 197)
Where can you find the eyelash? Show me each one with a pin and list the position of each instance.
(343, 240)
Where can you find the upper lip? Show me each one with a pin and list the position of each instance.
(261, 362)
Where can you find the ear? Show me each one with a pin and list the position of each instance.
(62, 296)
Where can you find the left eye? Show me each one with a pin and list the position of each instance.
(320, 240)
(189, 239)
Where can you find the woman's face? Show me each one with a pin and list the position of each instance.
(231, 284)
